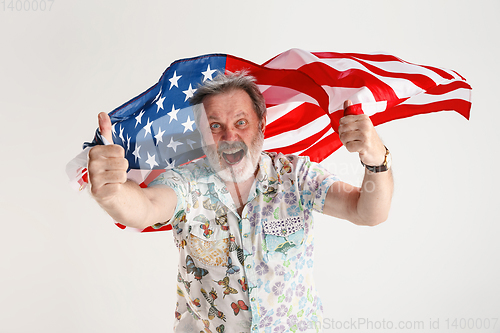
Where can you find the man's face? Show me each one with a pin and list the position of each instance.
(232, 136)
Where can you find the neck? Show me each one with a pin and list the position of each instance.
(240, 191)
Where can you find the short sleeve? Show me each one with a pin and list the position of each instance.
(180, 184)
(314, 182)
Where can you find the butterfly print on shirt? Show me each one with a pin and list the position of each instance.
(227, 289)
(198, 272)
(238, 306)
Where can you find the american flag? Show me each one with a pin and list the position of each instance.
(304, 94)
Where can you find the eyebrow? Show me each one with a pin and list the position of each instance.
(238, 115)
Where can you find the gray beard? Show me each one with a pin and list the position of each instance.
(244, 169)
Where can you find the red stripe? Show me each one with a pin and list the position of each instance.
(324, 148)
(405, 111)
(420, 80)
(148, 229)
(280, 77)
(356, 56)
(301, 145)
(440, 72)
(164, 228)
(121, 226)
(446, 88)
(152, 175)
(381, 58)
(294, 119)
(352, 78)
(355, 109)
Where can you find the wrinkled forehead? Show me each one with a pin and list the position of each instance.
(223, 107)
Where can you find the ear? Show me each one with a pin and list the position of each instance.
(263, 125)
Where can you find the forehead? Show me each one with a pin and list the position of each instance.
(230, 104)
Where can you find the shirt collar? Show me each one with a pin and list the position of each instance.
(267, 172)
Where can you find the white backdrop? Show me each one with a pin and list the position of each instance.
(64, 266)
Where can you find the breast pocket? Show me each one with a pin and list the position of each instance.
(208, 244)
(284, 237)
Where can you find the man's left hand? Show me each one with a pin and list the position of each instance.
(358, 134)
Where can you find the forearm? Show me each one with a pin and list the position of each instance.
(130, 206)
(375, 197)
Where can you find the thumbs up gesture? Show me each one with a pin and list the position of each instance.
(357, 133)
(107, 165)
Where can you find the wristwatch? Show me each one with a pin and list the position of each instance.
(384, 166)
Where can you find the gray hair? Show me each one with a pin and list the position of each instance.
(226, 82)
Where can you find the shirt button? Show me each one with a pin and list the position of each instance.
(245, 235)
(253, 299)
(249, 266)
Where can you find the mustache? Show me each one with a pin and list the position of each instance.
(226, 145)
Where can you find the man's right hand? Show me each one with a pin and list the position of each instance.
(125, 201)
(107, 165)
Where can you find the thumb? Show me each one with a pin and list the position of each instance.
(105, 126)
(350, 109)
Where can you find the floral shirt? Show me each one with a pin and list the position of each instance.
(248, 273)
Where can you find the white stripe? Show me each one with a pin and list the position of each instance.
(371, 108)
(403, 88)
(138, 175)
(461, 93)
(329, 132)
(292, 59)
(296, 58)
(338, 95)
(291, 137)
(278, 111)
(406, 68)
(280, 95)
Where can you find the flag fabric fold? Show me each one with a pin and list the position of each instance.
(304, 93)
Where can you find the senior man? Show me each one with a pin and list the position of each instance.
(242, 218)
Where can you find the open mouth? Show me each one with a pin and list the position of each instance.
(233, 157)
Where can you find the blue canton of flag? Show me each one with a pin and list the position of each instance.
(157, 128)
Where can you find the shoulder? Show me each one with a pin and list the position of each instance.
(186, 173)
(280, 160)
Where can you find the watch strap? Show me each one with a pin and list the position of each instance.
(379, 168)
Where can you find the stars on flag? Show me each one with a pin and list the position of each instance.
(159, 136)
(159, 103)
(188, 125)
(121, 133)
(136, 152)
(173, 144)
(207, 75)
(174, 80)
(190, 143)
(189, 93)
(170, 165)
(138, 118)
(151, 161)
(147, 128)
(173, 114)
(128, 142)
(156, 139)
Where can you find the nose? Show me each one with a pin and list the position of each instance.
(230, 134)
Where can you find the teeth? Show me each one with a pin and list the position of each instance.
(231, 151)
(228, 152)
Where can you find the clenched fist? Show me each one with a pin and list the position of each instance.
(357, 134)
(107, 165)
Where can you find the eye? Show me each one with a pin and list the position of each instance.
(214, 126)
(241, 122)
